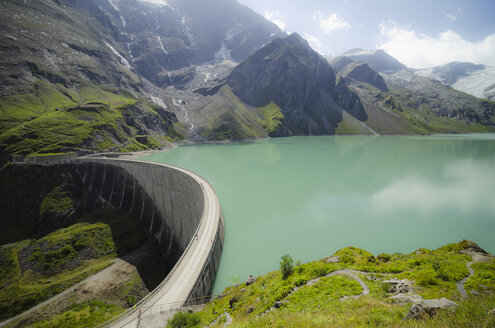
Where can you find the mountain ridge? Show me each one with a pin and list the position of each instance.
(127, 75)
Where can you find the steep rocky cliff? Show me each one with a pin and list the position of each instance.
(300, 82)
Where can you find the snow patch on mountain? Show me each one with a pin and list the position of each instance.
(479, 83)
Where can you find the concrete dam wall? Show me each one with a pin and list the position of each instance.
(174, 206)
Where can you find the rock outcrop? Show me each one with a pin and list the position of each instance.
(429, 308)
(297, 79)
(360, 71)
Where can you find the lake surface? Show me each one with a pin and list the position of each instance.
(310, 196)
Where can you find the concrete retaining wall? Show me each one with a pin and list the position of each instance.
(167, 201)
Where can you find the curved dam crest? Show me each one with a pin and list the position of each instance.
(173, 205)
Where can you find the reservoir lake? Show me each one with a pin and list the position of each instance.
(310, 196)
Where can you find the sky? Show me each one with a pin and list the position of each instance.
(419, 33)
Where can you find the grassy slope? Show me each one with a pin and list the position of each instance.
(320, 305)
(53, 118)
(228, 118)
(272, 117)
(395, 113)
(63, 258)
(351, 126)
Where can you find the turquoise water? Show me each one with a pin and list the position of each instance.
(310, 196)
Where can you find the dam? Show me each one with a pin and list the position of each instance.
(178, 209)
(180, 213)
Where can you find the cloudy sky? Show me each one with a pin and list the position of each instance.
(420, 33)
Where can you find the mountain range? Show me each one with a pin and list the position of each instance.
(124, 75)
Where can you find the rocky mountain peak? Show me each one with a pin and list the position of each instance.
(289, 73)
(359, 71)
(379, 60)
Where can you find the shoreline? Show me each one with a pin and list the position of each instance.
(173, 145)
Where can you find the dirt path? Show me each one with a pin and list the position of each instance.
(352, 274)
(477, 257)
(96, 285)
(228, 320)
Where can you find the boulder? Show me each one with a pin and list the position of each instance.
(430, 308)
(333, 259)
(399, 286)
(250, 309)
(250, 280)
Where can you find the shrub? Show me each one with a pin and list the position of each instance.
(287, 265)
(384, 257)
(439, 269)
(301, 281)
(184, 320)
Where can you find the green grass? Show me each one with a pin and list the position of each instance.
(57, 201)
(87, 314)
(35, 270)
(53, 119)
(272, 117)
(229, 119)
(435, 273)
(484, 278)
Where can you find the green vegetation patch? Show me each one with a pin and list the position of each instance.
(35, 270)
(57, 201)
(330, 301)
(53, 119)
(87, 314)
(483, 280)
(229, 119)
(272, 117)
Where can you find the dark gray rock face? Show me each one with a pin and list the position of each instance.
(340, 62)
(299, 81)
(163, 37)
(360, 71)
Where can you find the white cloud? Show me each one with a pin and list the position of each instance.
(330, 23)
(156, 2)
(464, 186)
(459, 10)
(314, 42)
(420, 50)
(451, 17)
(276, 18)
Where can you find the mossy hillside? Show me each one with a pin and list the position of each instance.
(87, 314)
(423, 119)
(35, 270)
(142, 142)
(351, 126)
(272, 117)
(434, 272)
(401, 111)
(57, 201)
(53, 118)
(228, 118)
